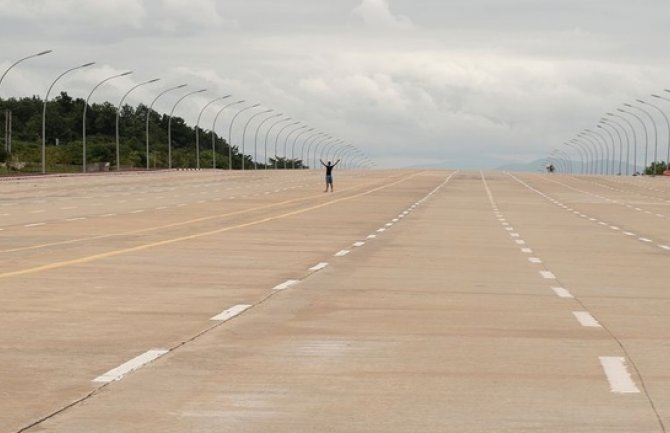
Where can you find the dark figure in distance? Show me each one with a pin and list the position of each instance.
(329, 174)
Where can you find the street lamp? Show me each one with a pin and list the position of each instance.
(197, 129)
(118, 114)
(653, 123)
(588, 151)
(83, 141)
(279, 134)
(267, 134)
(667, 122)
(286, 141)
(44, 112)
(293, 147)
(601, 140)
(605, 121)
(22, 60)
(244, 133)
(600, 126)
(597, 147)
(625, 131)
(580, 153)
(149, 115)
(258, 128)
(218, 113)
(170, 123)
(311, 139)
(230, 135)
(646, 137)
(316, 142)
(316, 148)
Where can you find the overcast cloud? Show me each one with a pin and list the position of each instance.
(462, 83)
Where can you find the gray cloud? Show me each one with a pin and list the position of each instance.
(473, 83)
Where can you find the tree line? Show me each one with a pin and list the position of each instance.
(64, 138)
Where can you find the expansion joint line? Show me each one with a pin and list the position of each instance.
(606, 328)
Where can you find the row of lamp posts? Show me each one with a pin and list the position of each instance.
(357, 159)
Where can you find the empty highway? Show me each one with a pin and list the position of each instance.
(405, 301)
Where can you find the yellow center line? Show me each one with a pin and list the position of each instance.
(168, 226)
(95, 257)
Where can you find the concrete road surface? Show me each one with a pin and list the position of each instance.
(406, 301)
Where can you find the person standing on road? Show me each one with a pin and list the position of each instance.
(329, 173)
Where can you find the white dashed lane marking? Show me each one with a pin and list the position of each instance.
(285, 285)
(586, 319)
(342, 253)
(231, 312)
(547, 275)
(319, 267)
(135, 363)
(359, 244)
(617, 375)
(562, 293)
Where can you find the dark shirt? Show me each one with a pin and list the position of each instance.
(329, 170)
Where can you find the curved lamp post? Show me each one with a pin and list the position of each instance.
(149, 115)
(170, 123)
(596, 148)
(600, 126)
(258, 129)
(604, 153)
(83, 141)
(653, 124)
(606, 122)
(580, 153)
(667, 122)
(286, 141)
(646, 137)
(325, 142)
(667, 159)
(2, 77)
(316, 142)
(218, 113)
(118, 115)
(267, 134)
(307, 131)
(44, 112)
(311, 139)
(197, 129)
(588, 151)
(230, 135)
(279, 134)
(244, 132)
(625, 132)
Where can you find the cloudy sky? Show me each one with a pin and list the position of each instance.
(454, 83)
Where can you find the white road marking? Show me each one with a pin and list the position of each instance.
(515, 235)
(562, 293)
(318, 267)
(617, 375)
(342, 253)
(75, 219)
(534, 260)
(231, 312)
(520, 242)
(161, 208)
(285, 285)
(381, 230)
(372, 236)
(615, 228)
(107, 215)
(645, 240)
(665, 247)
(135, 363)
(138, 211)
(526, 250)
(586, 319)
(359, 244)
(34, 225)
(395, 220)
(547, 275)
(629, 233)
